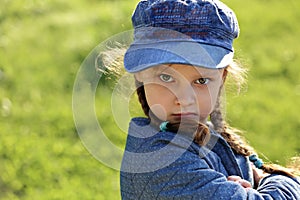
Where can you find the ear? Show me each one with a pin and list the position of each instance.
(224, 76)
(138, 76)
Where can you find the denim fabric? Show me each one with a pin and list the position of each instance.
(162, 165)
(203, 28)
(206, 21)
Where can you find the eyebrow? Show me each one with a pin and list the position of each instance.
(207, 72)
(201, 71)
(162, 68)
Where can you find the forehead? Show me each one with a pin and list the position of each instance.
(183, 69)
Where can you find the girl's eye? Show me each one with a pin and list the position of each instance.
(202, 81)
(166, 78)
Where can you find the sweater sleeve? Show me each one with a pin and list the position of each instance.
(190, 177)
(279, 187)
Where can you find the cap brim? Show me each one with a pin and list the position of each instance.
(142, 56)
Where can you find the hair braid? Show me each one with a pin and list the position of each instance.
(238, 144)
(142, 97)
(229, 134)
(201, 133)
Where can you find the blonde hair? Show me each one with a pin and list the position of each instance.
(111, 61)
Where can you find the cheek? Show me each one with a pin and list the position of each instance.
(159, 111)
(205, 104)
(207, 100)
(214, 96)
(159, 100)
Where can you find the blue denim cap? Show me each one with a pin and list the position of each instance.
(194, 32)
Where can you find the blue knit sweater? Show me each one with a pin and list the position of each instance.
(164, 165)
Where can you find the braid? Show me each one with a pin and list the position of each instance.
(216, 116)
(202, 135)
(239, 145)
(229, 134)
(201, 132)
(142, 97)
(277, 169)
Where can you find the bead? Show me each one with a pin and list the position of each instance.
(163, 126)
(256, 161)
(253, 158)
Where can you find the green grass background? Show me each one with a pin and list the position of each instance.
(42, 45)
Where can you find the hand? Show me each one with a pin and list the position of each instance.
(245, 184)
(258, 174)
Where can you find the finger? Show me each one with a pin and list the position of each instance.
(233, 178)
(244, 183)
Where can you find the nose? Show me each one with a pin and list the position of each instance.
(185, 96)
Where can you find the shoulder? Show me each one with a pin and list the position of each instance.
(148, 149)
(152, 149)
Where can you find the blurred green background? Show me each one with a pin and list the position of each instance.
(42, 45)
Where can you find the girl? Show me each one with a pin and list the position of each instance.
(181, 56)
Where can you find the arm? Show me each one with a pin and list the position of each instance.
(187, 179)
(191, 178)
(279, 187)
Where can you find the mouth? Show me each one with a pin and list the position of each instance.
(186, 115)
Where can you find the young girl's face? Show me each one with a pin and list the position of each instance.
(181, 92)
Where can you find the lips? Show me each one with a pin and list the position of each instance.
(185, 115)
